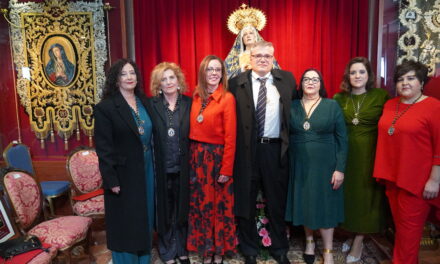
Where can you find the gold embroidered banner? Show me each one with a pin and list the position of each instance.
(419, 33)
(59, 51)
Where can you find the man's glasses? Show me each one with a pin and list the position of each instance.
(261, 56)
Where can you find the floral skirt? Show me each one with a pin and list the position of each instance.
(211, 229)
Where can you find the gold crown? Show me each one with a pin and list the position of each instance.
(244, 16)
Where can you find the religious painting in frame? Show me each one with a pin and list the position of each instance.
(59, 60)
(59, 49)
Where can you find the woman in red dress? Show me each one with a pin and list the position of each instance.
(211, 231)
(408, 158)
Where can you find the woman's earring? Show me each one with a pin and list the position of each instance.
(160, 91)
(178, 87)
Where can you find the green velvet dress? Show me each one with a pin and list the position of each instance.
(364, 197)
(314, 155)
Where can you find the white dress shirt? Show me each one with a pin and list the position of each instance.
(272, 119)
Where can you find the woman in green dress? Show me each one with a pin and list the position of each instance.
(318, 150)
(364, 198)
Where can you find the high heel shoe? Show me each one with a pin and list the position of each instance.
(328, 251)
(352, 259)
(309, 258)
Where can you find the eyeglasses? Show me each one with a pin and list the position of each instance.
(211, 70)
(261, 56)
(312, 80)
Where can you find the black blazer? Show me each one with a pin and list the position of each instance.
(159, 118)
(241, 88)
(121, 162)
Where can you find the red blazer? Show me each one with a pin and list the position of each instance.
(218, 126)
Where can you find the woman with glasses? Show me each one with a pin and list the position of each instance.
(318, 150)
(169, 110)
(362, 105)
(211, 231)
(408, 158)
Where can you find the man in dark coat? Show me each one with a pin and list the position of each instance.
(263, 97)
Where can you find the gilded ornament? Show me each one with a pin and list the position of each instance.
(59, 54)
(244, 16)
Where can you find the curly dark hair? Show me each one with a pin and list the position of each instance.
(346, 85)
(322, 91)
(420, 69)
(111, 88)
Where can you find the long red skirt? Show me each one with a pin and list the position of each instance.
(211, 221)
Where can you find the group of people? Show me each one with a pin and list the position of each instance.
(191, 169)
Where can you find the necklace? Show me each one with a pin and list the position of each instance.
(170, 113)
(306, 124)
(204, 105)
(397, 115)
(357, 109)
(139, 121)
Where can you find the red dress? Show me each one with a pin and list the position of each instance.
(211, 221)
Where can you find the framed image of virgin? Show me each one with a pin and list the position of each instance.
(59, 60)
(59, 49)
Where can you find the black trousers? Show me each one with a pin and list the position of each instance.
(172, 244)
(273, 180)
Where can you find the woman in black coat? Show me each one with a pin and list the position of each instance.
(170, 115)
(123, 132)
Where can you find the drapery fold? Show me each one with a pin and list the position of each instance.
(323, 34)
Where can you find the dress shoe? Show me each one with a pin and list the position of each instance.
(281, 259)
(352, 259)
(250, 259)
(308, 258)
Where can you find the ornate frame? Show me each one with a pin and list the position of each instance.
(419, 33)
(59, 50)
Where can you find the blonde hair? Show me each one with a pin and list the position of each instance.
(202, 86)
(157, 75)
(262, 44)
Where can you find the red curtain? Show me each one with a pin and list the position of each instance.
(323, 34)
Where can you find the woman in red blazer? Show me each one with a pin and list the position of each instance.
(211, 230)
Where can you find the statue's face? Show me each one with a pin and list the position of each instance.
(249, 36)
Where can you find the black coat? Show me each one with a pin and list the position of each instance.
(159, 118)
(241, 88)
(121, 162)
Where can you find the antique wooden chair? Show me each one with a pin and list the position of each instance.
(17, 156)
(63, 233)
(87, 194)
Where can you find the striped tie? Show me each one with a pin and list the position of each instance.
(261, 106)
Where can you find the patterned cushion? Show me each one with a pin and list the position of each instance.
(92, 206)
(62, 232)
(84, 169)
(25, 196)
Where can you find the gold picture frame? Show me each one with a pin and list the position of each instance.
(59, 49)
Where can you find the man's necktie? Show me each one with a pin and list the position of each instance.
(261, 106)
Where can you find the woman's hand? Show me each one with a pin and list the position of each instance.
(337, 179)
(222, 178)
(116, 189)
(433, 184)
(431, 189)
